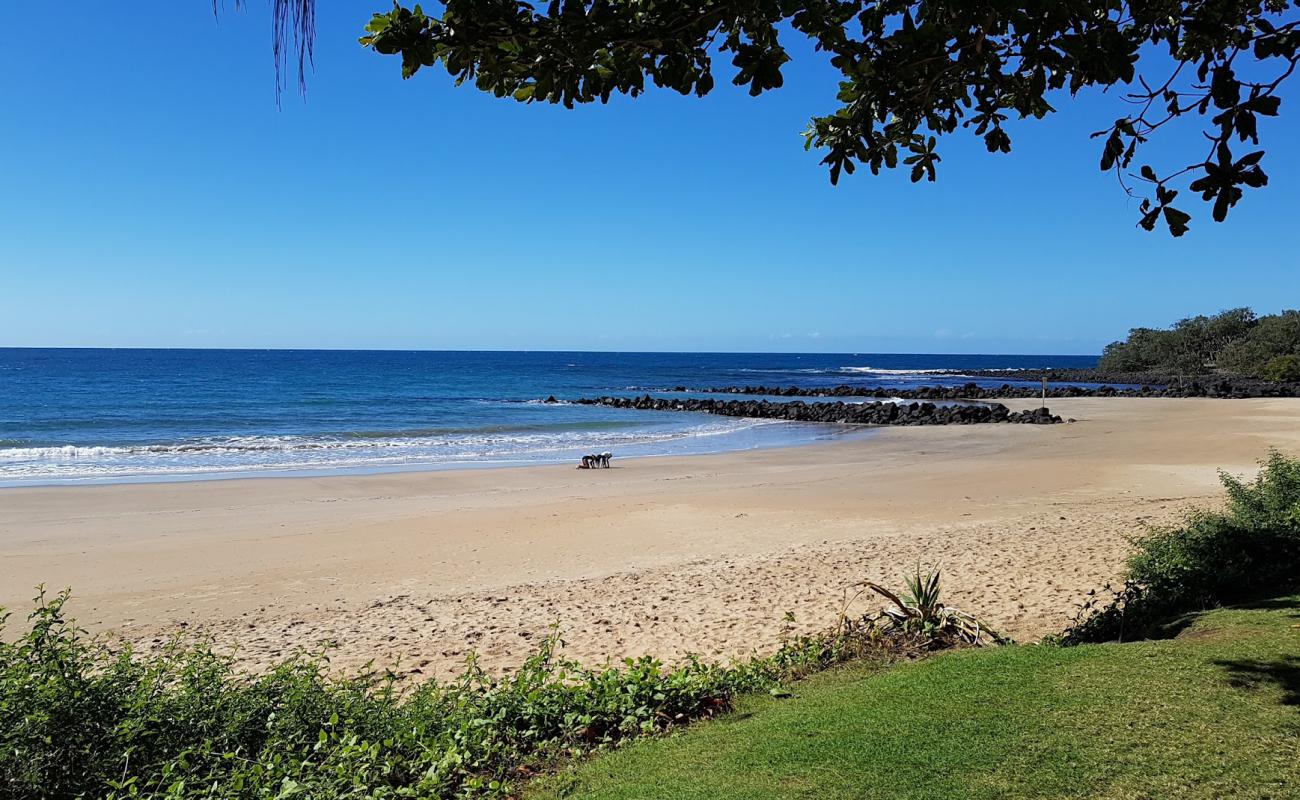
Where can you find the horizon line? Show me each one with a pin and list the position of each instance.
(538, 350)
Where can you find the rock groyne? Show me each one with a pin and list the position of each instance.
(971, 391)
(879, 413)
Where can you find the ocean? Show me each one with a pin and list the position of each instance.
(95, 415)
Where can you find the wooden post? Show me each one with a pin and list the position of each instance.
(1044, 387)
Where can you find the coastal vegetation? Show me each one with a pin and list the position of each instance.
(1236, 342)
(81, 719)
(1247, 551)
(835, 714)
(910, 73)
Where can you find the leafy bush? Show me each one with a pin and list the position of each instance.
(78, 719)
(1282, 368)
(1249, 550)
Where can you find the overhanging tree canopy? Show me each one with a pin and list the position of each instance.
(911, 72)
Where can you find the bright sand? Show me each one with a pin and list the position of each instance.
(660, 555)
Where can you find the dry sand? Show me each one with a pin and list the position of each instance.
(666, 556)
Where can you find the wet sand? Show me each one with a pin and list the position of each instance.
(701, 554)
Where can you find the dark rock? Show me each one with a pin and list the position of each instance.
(1223, 387)
(878, 413)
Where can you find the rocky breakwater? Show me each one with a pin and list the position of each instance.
(880, 413)
(971, 391)
(1147, 384)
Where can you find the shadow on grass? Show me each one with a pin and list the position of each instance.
(1253, 674)
(1276, 604)
(1172, 627)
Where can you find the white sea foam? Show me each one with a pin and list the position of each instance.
(537, 401)
(65, 452)
(876, 371)
(262, 454)
(854, 371)
(288, 444)
(801, 371)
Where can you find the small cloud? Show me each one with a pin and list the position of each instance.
(943, 333)
(815, 335)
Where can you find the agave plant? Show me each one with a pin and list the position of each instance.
(924, 593)
(923, 614)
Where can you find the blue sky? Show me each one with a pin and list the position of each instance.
(153, 195)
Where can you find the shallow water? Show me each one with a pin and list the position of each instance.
(73, 416)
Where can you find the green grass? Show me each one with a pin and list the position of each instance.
(1213, 713)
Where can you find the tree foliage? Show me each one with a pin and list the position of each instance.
(911, 72)
(1235, 341)
(1282, 368)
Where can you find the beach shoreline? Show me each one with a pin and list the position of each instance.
(664, 555)
(812, 433)
(80, 417)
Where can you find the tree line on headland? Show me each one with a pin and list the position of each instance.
(1236, 342)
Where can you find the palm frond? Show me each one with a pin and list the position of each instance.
(293, 37)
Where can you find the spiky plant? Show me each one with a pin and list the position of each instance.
(924, 592)
(923, 615)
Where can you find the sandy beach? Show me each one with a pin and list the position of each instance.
(701, 554)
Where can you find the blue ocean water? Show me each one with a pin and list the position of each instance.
(73, 416)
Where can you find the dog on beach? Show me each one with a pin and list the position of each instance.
(595, 461)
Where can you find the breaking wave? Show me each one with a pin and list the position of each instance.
(853, 371)
(876, 371)
(274, 454)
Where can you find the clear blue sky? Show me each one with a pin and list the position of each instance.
(153, 195)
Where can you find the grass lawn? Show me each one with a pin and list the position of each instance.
(1212, 713)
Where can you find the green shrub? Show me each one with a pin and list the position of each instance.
(1282, 369)
(1249, 550)
(80, 720)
